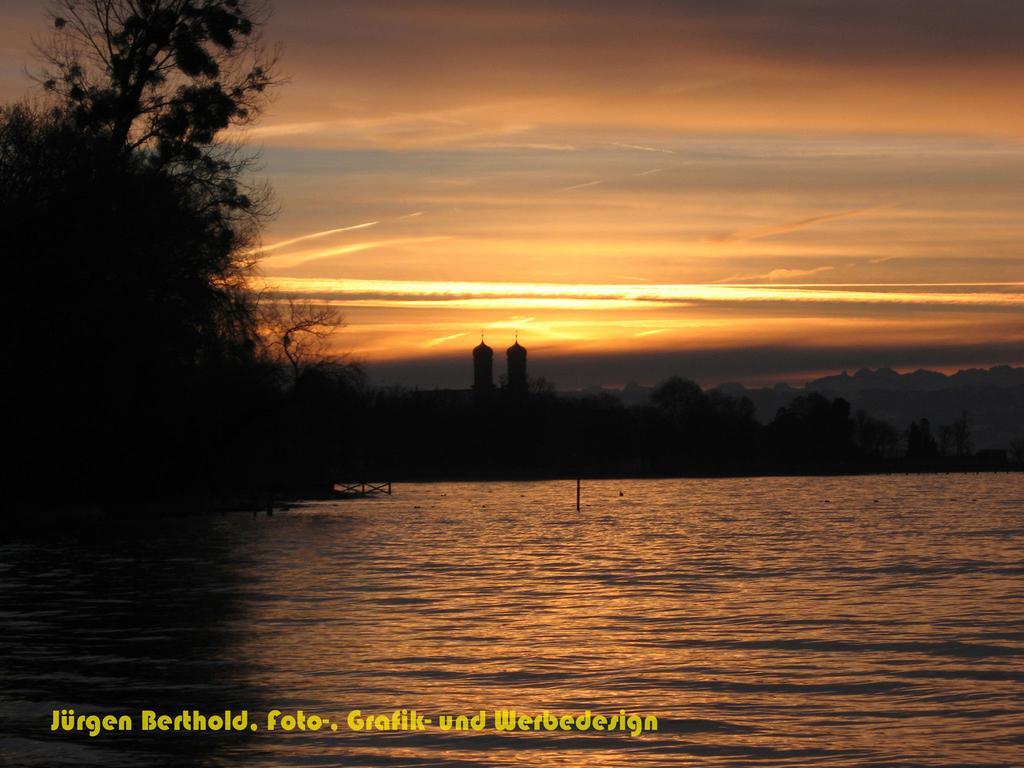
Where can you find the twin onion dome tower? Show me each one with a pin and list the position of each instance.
(483, 368)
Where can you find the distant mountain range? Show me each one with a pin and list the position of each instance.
(993, 398)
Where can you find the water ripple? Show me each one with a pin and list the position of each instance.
(784, 622)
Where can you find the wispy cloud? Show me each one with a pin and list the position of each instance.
(315, 235)
(513, 322)
(642, 148)
(582, 186)
(776, 274)
(444, 339)
(792, 226)
(508, 296)
(528, 145)
(286, 129)
(284, 261)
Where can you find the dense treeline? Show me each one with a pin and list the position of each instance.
(682, 430)
(134, 345)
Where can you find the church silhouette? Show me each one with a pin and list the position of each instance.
(483, 369)
(485, 390)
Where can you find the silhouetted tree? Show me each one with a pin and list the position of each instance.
(678, 399)
(876, 439)
(151, 86)
(945, 440)
(297, 333)
(130, 230)
(163, 75)
(955, 439)
(540, 386)
(813, 430)
(921, 444)
(1017, 450)
(961, 429)
(321, 411)
(688, 428)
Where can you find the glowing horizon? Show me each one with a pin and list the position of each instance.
(653, 178)
(427, 318)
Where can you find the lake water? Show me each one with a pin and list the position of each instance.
(874, 621)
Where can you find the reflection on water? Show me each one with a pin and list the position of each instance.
(785, 622)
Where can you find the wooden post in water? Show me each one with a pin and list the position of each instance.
(577, 494)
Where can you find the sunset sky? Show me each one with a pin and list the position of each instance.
(747, 191)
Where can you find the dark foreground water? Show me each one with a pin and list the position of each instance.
(871, 621)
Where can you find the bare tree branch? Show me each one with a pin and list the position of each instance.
(297, 333)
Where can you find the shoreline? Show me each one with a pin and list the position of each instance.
(44, 515)
(731, 474)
